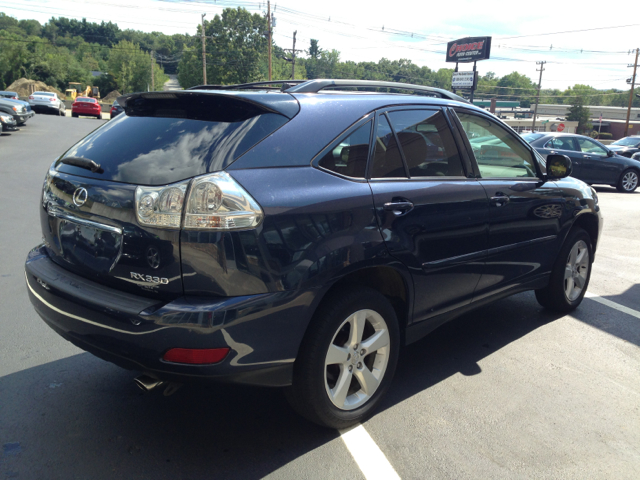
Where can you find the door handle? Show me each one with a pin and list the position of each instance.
(500, 200)
(587, 156)
(398, 208)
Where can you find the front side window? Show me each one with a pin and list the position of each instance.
(387, 162)
(350, 156)
(427, 143)
(498, 152)
(562, 143)
(589, 146)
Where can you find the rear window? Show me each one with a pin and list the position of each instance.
(163, 141)
(88, 100)
(44, 93)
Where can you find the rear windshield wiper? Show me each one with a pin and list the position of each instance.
(83, 163)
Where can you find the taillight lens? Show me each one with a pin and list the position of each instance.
(213, 202)
(217, 202)
(30, 97)
(52, 99)
(160, 206)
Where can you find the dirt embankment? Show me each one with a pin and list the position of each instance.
(24, 87)
(111, 97)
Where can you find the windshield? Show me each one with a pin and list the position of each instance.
(531, 137)
(628, 142)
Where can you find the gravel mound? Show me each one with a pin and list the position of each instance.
(22, 86)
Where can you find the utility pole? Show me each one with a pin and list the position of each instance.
(269, 26)
(535, 110)
(153, 80)
(204, 54)
(633, 84)
(293, 56)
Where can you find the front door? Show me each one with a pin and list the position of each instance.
(524, 211)
(431, 213)
(595, 163)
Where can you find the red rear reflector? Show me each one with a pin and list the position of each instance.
(196, 356)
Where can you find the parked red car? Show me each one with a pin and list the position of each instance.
(87, 107)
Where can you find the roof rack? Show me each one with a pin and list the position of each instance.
(315, 86)
(271, 85)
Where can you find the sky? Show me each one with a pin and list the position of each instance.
(581, 44)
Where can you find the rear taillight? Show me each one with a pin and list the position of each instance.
(52, 99)
(212, 202)
(161, 206)
(15, 98)
(30, 97)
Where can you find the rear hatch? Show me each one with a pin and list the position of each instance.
(92, 194)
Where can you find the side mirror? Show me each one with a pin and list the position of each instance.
(558, 166)
(610, 153)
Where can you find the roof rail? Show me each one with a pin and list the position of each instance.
(315, 86)
(271, 84)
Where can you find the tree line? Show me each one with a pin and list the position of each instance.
(64, 50)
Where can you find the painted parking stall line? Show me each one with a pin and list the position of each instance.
(372, 462)
(614, 305)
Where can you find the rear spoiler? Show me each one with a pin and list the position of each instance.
(281, 103)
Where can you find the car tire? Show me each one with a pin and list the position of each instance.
(347, 359)
(628, 181)
(74, 115)
(99, 117)
(570, 275)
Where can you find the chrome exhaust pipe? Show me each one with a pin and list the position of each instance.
(147, 383)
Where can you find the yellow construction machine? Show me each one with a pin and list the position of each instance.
(76, 89)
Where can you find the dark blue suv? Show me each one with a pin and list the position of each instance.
(299, 234)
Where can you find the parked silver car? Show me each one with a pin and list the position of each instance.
(47, 101)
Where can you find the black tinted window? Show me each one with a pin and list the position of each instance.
(562, 143)
(427, 143)
(349, 157)
(387, 161)
(163, 142)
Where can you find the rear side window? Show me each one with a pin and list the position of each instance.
(427, 143)
(350, 156)
(163, 141)
(387, 162)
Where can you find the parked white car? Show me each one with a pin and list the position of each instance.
(47, 101)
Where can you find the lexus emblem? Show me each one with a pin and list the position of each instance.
(80, 196)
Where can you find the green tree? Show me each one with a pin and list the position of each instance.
(582, 115)
(236, 47)
(130, 67)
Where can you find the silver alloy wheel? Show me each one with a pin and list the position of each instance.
(576, 270)
(357, 359)
(630, 181)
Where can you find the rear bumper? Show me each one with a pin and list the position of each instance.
(44, 108)
(262, 331)
(84, 111)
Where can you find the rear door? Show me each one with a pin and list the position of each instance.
(431, 210)
(524, 211)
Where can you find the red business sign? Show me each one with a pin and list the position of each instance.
(561, 127)
(470, 49)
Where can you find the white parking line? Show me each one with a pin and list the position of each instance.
(368, 456)
(614, 305)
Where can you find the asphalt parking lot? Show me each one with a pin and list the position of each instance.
(508, 391)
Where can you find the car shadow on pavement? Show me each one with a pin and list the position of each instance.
(81, 417)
